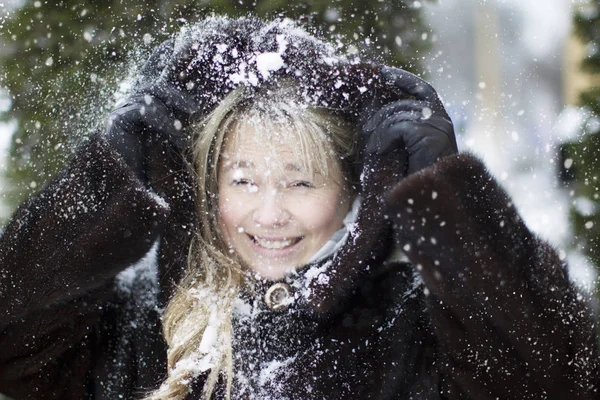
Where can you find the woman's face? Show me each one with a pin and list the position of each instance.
(272, 213)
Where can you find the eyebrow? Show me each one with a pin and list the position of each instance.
(240, 164)
(250, 165)
(294, 167)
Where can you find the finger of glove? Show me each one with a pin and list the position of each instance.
(401, 129)
(383, 123)
(413, 85)
(422, 90)
(443, 125)
(428, 150)
(125, 119)
(389, 134)
(160, 120)
(184, 104)
(157, 62)
(163, 60)
(424, 143)
(413, 108)
(439, 123)
(127, 145)
(179, 68)
(384, 141)
(178, 87)
(144, 116)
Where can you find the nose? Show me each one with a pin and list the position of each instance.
(270, 211)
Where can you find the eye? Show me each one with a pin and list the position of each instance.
(302, 184)
(241, 182)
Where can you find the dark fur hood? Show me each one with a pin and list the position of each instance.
(209, 59)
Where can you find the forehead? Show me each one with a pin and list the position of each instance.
(256, 142)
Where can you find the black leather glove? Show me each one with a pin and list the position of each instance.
(419, 125)
(155, 111)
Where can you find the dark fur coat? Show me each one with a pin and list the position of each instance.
(483, 310)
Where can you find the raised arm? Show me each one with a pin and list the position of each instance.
(63, 247)
(510, 323)
(58, 255)
(89, 223)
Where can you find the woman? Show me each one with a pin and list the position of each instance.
(282, 195)
(266, 294)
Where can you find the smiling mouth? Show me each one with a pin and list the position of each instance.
(275, 244)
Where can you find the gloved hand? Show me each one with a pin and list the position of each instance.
(155, 111)
(420, 126)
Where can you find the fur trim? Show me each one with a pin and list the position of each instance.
(210, 60)
(499, 297)
(97, 190)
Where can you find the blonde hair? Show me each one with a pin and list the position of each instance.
(197, 321)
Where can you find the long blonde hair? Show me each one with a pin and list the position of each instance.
(197, 321)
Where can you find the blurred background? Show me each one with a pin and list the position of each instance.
(518, 79)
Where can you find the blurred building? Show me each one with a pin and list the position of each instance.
(506, 70)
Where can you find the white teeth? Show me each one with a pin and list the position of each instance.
(273, 244)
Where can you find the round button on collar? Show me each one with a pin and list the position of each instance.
(279, 296)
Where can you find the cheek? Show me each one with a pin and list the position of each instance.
(327, 219)
(227, 216)
(320, 213)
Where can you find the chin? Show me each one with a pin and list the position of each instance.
(274, 273)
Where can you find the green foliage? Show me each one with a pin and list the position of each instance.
(585, 172)
(586, 23)
(63, 60)
(581, 157)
